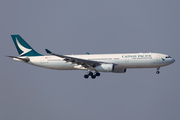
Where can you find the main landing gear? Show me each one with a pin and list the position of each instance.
(158, 70)
(93, 76)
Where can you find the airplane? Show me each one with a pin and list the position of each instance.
(92, 63)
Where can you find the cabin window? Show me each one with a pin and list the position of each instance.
(168, 56)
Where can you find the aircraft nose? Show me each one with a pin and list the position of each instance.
(173, 60)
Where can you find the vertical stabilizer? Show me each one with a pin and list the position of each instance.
(23, 48)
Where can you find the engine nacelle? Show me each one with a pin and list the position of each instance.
(105, 68)
(119, 70)
(110, 68)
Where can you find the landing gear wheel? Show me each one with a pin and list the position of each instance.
(157, 72)
(93, 76)
(97, 74)
(86, 76)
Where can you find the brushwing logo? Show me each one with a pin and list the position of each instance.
(25, 50)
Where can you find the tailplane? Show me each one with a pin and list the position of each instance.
(23, 48)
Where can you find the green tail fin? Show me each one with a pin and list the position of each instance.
(23, 48)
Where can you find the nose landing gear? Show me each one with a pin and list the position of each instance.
(157, 72)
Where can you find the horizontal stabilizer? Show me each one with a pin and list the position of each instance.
(21, 59)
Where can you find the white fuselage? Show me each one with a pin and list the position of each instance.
(131, 60)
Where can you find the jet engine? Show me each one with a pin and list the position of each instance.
(105, 68)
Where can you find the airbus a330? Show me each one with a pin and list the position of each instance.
(92, 63)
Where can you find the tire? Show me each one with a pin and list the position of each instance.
(93, 76)
(86, 76)
(157, 72)
(98, 74)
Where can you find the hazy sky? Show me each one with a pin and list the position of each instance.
(94, 26)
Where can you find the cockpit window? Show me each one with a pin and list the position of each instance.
(168, 56)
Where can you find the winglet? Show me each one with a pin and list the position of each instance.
(48, 51)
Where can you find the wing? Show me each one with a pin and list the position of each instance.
(85, 63)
